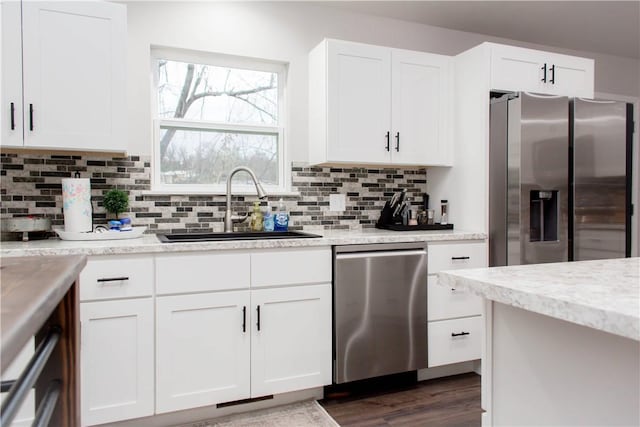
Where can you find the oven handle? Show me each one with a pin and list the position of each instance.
(379, 254)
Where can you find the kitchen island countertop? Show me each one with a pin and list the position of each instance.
(601, 294)
(149, 243)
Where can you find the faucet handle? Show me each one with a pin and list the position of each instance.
(239, 218)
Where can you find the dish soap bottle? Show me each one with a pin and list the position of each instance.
(268, 219)
(282, 218)
(256, 217)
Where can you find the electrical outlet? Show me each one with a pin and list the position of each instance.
(337, 202)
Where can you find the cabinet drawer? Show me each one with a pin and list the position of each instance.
(446, 345)
(455, 256)
(446, 303)
(290, 267)
(201, 272)
(116, 277)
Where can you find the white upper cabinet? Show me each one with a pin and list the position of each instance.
(71, 83)
(378, 105)
(421, 108)
(519, 69)
(11, 90)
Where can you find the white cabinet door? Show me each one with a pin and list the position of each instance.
(203, 345)
(528, 70)
(116, 353)
(359, 102)
(291, 339)
(11, 84)
(74, 75)
(421, 108)
(455, 340)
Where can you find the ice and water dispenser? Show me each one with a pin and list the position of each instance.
(543, 216)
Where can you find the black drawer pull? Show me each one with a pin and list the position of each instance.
(258, 310)
(30, 117)
(553, 75)
(453, 334)
(387, 146)
(244, 318)
(13, 116)
(112, 279)
(459, 257)
(544, 75)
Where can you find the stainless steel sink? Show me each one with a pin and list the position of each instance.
(240, 235)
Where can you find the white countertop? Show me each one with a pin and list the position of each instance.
(603, 294)
(149, 243)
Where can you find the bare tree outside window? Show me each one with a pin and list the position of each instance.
(214, 118)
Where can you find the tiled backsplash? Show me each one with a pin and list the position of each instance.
(30, 185)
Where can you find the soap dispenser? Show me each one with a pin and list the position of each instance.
(256, 217)
(268, 219)
(281, 222)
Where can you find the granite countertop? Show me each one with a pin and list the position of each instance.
(28, 294)
(149, 243)
(602, 294)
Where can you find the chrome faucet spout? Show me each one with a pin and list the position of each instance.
(228, 218)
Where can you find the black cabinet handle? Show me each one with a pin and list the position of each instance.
(398, 141)
(544, 73)
(453, 334)
(552, 80)
(112, 279)
(454, 258)
(31, 117)
(258, 310)
(244, 318)
(13, 116)
(387, 136)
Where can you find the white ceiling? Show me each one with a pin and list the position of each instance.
(611, 27)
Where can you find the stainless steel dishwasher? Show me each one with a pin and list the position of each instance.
(380, 310)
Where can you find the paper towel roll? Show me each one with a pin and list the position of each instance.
(76, 201)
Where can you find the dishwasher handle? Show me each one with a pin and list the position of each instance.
(379, 254)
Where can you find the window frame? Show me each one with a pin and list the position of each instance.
(220, 60)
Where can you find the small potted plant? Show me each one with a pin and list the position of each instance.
(115, 202)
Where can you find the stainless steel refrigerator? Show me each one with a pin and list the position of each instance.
(559, 179)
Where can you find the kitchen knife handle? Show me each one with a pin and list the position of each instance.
(244, 318)
(453, 334)
(13, 116)
(387, 136)
(258, 310)
(398, 141)
(552, 80)
(544, 73)
(31, 117)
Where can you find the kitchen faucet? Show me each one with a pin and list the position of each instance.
(228, 218)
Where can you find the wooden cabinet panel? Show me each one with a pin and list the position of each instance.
(202, 355)
(117, 360)
(108, 277)
(290, 267)
(455, 340)
(202, 272)
(291, 350)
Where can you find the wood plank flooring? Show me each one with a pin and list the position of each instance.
(450, 401)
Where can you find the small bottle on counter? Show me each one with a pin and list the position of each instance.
(281, 220)
(444, 212)
(256, 217)
(268, 221)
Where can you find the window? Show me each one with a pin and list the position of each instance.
(213, 113)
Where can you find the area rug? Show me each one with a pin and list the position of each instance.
(301, 414)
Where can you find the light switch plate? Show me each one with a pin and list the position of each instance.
(337, 202)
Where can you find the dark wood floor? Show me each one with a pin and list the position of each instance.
(450, 401)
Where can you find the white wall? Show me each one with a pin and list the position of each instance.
(287, 32)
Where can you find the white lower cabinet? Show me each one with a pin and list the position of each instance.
(203, 345)
(455, 325)
(455, 340)
(291, 348)
(116, 360)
